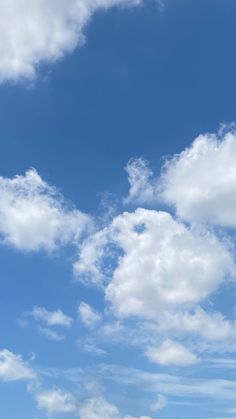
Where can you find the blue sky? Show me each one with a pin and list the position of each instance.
(117, 209)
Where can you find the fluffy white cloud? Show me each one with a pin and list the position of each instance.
(89, 267)
(42, 31)
(13, 368)
(51, 318)
(161, 263)
(55, 401)
(33, 215)
(171, 353)
(211, 326)
(98, 408)
(164, 264)
(200, 182)
(88, 316)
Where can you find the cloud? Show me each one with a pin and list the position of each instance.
(166, 264)
(34, 216)
(59, 401)
(137, 417)
(211, 326)
(200, 182)
(171, 353)
(161, 263)
(50, 334)
(88, 316)
(90, 346)
(13, 368)
(55, 401)
(98, 408)
(51, 318)
(47, 321)
(44, 32)
(170, 384)
(143, 189)
(89, 267)
(159, 404)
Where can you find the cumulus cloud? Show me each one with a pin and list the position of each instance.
(34, 216)
(55, 401)
(89, 267)
(162, 263)
(42, 31)
(211, 326)
(58, 401)
(171, 353)
(200, 182)
(98, 408)
(13, 368)
(165, 264)
(88, 316)
(51, 318)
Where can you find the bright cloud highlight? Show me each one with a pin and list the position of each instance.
(165, 264)
(51, 318)
(88, 316)
(171, 353)
(34, 216)
(13, 368)
(41, 31)
(55, 401)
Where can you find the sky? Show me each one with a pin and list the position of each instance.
(117, 209)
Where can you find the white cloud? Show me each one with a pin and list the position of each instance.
(159, 404)
(143, 188)
(33, 215)
(89, 267)
(90, 346)
(98, 408)
(50, 334)
(200, 182)
(211, 326)
(41, 31)
(88, 316)
(174, 386)
(50, 318)
(58, 401)
(171, 353)
(160, 270)
(160, 263)
(164, 265)
(55, 401)
(13, 368)
(137, 417)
